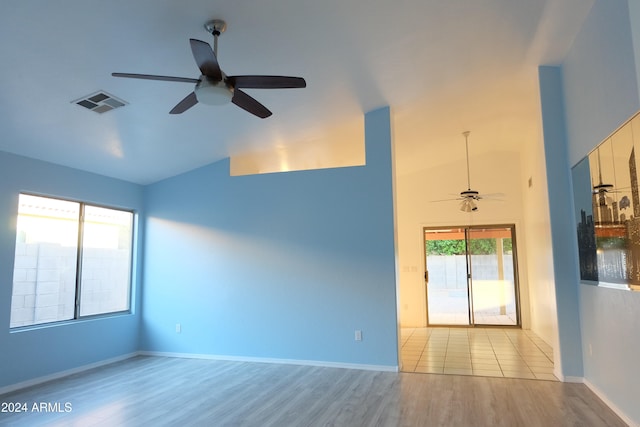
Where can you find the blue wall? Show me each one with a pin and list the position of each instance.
(275, 266)
(599, 78)
(563, 234)
(598, 84)
(45, 350)
(279, 266)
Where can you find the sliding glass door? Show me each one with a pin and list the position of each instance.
(446, 277)
(492, 276)
(471, 276)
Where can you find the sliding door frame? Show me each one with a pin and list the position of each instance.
(516, 275)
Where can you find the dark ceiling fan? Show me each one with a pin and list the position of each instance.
(214, 87)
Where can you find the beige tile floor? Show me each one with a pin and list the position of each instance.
(492, 352)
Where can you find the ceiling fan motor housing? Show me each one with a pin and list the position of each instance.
(471, 194)
(603, 187)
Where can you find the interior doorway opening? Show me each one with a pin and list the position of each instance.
(471, 276)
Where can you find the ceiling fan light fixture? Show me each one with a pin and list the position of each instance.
(213, 93)
(468, 205)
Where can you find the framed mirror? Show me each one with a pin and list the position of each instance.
(607, 210)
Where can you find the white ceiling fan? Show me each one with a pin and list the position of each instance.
(469, 198)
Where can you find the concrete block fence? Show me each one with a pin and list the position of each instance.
(44, 282)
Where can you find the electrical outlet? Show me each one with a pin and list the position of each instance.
(178, 328)
(590, 350)
(358, 335)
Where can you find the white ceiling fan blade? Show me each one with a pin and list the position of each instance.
(496, 197)
(446, 200)
(493, 195)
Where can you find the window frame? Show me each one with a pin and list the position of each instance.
(77, 317)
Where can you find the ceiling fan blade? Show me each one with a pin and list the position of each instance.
(182, 106)
(266, 82)
(244, 101)
(610, 190)
(153, 77)
(493, 197)
(445, 200)
(206, 59)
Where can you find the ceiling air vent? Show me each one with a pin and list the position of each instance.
(100, 102)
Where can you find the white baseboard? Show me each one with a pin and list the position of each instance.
(366, 367)
(610, 404)
(566, 378)
(46, 378)
(570, 379)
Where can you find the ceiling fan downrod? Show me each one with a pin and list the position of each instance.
(215, 27)
(466, 142)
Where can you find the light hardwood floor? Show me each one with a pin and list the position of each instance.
(158, 391)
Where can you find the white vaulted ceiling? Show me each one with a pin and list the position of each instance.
(442, 66)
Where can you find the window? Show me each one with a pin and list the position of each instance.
(72, 260)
